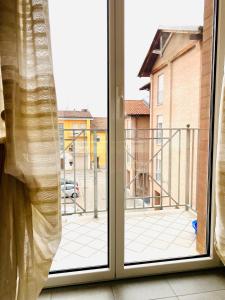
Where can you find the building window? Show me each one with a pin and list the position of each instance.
(160, 93)
(159, 130)
(158, 170)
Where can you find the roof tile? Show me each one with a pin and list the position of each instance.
(136, 107)
(73, 114)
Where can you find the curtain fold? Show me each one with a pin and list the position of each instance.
(220, 180)
(30, 222)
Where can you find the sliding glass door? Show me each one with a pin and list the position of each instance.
(135, 98)
(79, 33)
(163, 208)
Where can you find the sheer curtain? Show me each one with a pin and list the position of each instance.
(30, 224)
(220, 181)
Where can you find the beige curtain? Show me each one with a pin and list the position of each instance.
(220, 181)
(30, 223)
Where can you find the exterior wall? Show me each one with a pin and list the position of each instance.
(181, 66)
(137, 155)
(130, 125)
(142, 155)
(82, 143)
(204, 125)
(181, 84)
(101, 148)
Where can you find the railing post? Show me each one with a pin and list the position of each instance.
(64, 173)
(95, 177)
(161, 169)
(187, 173)
(74, 169)
(85, 170)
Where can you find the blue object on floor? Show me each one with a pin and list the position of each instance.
(195, 225)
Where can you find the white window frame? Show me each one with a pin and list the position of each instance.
(145, 269)
(117, 269)
(160, 88)
(158, 171)
(159, 129)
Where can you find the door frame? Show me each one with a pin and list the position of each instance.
(116, 269)
(179, 264)
(108, 273)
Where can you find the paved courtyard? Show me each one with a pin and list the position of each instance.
(149, 235)
(87, 187)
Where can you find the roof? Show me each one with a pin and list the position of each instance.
(161, 37)
(146, 87)
(74, 114)
(136, 107)
(99, 123)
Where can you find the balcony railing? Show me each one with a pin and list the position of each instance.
(160, 168)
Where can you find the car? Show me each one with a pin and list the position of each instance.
(66, 181)
(67, 190)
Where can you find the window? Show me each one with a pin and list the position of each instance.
(159, 130)
(160, 92)
(158, 170)
(163, 165)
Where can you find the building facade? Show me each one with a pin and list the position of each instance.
(75, 138)
(99, 142)
(173, 67)
(137, 118)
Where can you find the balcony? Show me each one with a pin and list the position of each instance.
(160, 196)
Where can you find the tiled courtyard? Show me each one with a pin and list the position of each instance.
(149, 235)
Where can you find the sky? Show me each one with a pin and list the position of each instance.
(79, 46)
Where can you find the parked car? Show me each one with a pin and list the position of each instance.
(67, 189)
(67, 181)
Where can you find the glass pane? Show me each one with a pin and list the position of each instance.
(79, 46)
(167, 61)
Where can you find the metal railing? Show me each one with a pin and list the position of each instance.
(160, 166)
(168, 158)
(83, 154)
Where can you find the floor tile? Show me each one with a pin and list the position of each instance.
(216, 295)
(197, 282)
(144, 289)
(150, 235)
(83, 293)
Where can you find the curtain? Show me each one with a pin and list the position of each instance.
(30, 223)
(220, 181)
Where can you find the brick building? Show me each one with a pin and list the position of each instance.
(173, 65)
(137, 119)
(178, 65)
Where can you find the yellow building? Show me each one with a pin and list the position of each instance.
(99, 141)
(74, 132)
(81, 136)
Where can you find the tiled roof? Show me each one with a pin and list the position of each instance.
(74, 114)
(99, 123)
(136, 107)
